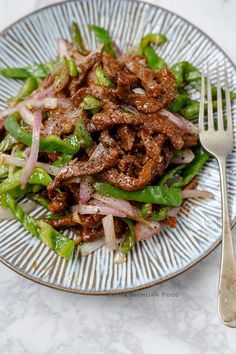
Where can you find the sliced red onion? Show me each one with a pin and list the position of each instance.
(109, 232)
(173, 212)
(27, 116)
(139, 90)
(119, 257)
(129, 108)
(34, 152)
(186, 157)
(73, 114)
(98, 151)
(196, 193)
(143, 232)
(31, 103)
(19, 162)
(73, 180)
(182, 123)
(65, 103)
(119, 204)
(62, 48)
(118, 51)
(90, 247)
(83, 59)
(99, 210)
(86, 189)
(6, 214)
(41, 94)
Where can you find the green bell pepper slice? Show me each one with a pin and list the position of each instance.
(38, 177)
(151, 38)
(60, 244)
(150, 194)
(47, 144)
(77, 39)
(104, 38)
(129, 240)
(102, 79)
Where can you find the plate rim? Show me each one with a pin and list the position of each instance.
(155, 282)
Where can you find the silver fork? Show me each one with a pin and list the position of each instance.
(219, 142)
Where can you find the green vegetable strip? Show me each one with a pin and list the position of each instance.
(77, 39)
(161, 214)
(102, 79)
(39, 176)
(185, 73)
(7, 143)
(129, 239)
(193, 168)
(37, 71)
(3, 170)
(146, 210)
(39, 199)
(151, 194)
(73, 71)
(90, 102)
(104, 37)
(29, 223)
(182, 100)
(154, 38)
(153, 60)
(47, 144)
(27, 88)
(81, 136)
(47, 234)
(62, 160)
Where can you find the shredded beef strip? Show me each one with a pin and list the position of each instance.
(74, 189)
(91, 60)
(59, 203)
(190, 140)
(160, 124)
(109, 142)
(146, 75)
(98, 91)
(151, 123)
(154, 164)
(127, 136)
(77, 168)
(57, 124)
(130, 165)
(129, 183)
(62, 222)
(111, 66)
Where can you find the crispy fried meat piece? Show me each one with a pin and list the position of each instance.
(77, 168)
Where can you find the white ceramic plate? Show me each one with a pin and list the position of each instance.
(33, 40)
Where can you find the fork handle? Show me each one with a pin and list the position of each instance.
(227, 281)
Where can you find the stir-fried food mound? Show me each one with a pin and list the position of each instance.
(99, 139)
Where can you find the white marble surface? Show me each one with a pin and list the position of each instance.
(178, 316)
